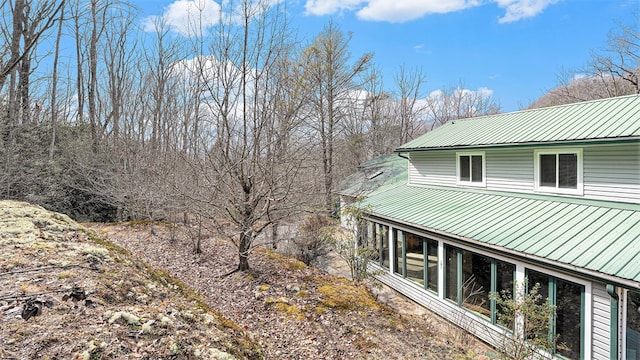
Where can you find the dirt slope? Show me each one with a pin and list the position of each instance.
(65, 293)
(292, 310)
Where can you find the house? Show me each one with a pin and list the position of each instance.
(548, 195)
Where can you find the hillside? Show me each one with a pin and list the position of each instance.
(295, 311)
(66, 293)
(69, 293)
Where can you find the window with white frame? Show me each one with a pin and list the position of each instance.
(558, 171)
(471, 277)
(470, 168)
(567, 327)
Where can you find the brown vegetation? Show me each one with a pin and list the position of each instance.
(294, 311)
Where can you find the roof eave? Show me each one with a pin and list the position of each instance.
(525, 144)
(607, 278)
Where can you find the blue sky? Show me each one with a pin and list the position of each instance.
(515, 49)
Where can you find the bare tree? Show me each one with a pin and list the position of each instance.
(459, 103)
(44, 17)
(621, 58)
(245, 166)
(331, 75)
(54, 88)
(25, 25)
(409, 110)
(612, 71)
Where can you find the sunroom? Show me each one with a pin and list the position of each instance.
(449, 248)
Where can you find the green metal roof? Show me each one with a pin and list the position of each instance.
(379, 174)
(601, 120)
(598, 236)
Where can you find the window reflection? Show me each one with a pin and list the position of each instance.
(633, 326)
(384, 247)
(567, 296)
(415, 258)
(451, 273)
(432, 265)
(399, 263)
(568, 321)
(505, 273)
(476, 282)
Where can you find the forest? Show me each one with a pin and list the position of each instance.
(240, 126)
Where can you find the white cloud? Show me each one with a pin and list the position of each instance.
(460, 93)
(397, 11)
(484, 92)
(327, 7)
(522, 9)
(407, 10)
(186, 16)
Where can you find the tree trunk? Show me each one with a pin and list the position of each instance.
(54, 89)
(93, 73)
(274, 236)
(243, 251)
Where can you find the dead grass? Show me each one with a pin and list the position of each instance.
(293, 311)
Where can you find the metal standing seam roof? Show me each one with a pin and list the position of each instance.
(599, 236)
(379, 174)
(613, 118)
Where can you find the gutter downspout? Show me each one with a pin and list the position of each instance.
(611, 290)
(403, 156)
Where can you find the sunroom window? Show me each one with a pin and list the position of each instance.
(632, 330)
(416, 259)
(568, 297)
(558, 171)
(470, 168)
(384, 246)
(398, 265)
(470, 278)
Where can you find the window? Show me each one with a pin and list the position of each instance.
(374, 241)
(471, 277)
(414, 248)
(476, 282)
(558, 171)
(432, 265)
(632, 329)
(413, 264)
(568, 298)
(384, 247)
(504, 284)
(398, 266)
(451, 273)
(470, 168)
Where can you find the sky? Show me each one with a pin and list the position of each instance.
(515, 50)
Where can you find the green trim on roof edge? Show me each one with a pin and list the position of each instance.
(594, 238)
(599, 120)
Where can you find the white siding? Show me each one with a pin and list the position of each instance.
(610, 172)
(435, 168)
(601, 330)
(510, 170)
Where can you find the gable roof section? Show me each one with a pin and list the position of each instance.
(576, 234)
(600, 120)
(379, 174)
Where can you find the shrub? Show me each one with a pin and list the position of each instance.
(530, 315)
(309, 243)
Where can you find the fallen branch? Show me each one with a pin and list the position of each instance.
(28, 296)
(38, 269)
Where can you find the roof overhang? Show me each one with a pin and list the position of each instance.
(595, 239)
(554, 143)
(506, 252)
